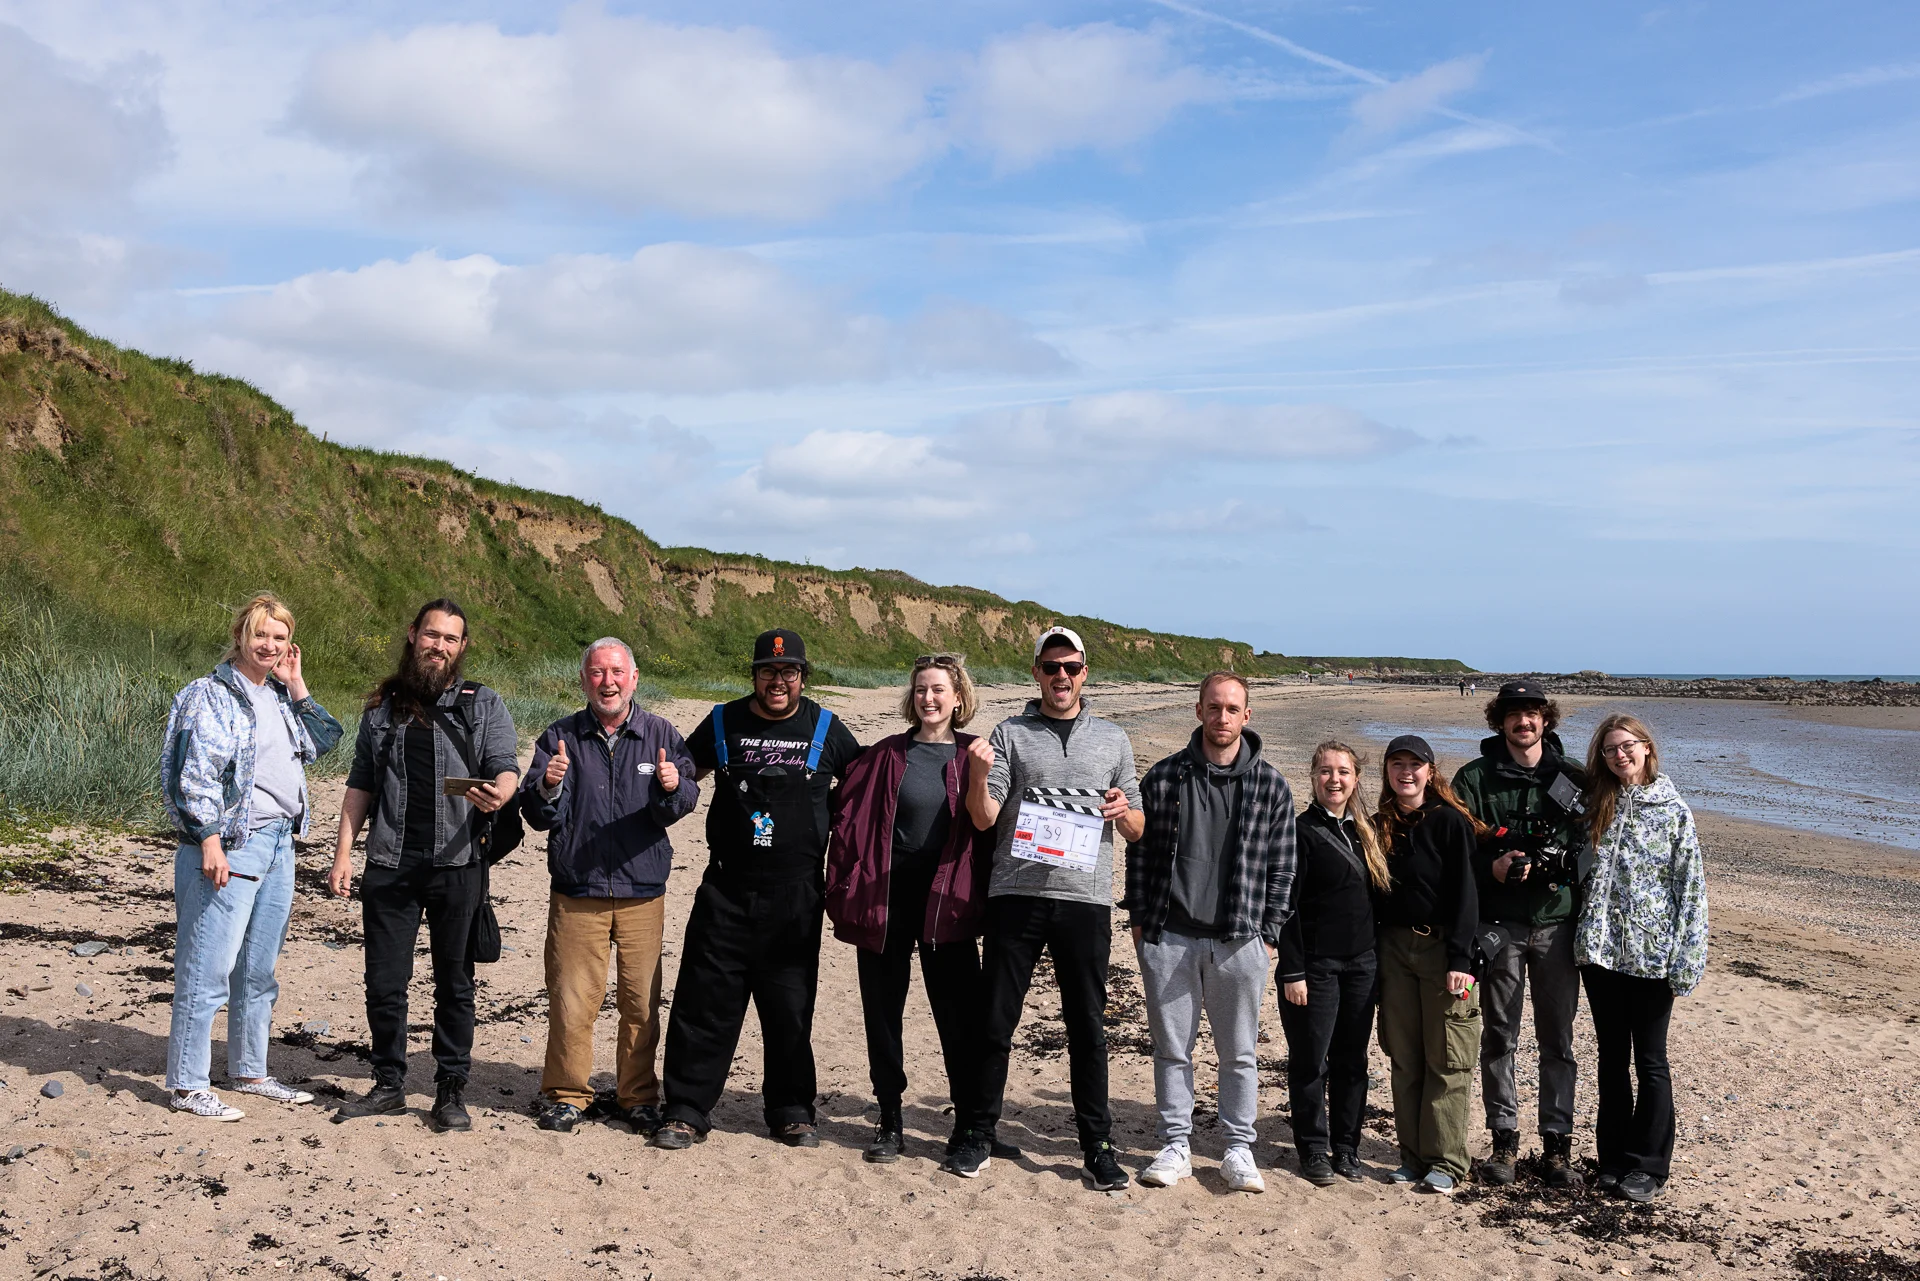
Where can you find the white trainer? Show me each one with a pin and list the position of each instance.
(1172, 1165)
(1240, 1172)
(269, 1088)
(205, 1103)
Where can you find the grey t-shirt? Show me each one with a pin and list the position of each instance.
(277, 773)
(1029, 752)
(921, 819)
(1209, 811)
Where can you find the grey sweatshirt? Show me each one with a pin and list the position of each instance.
(1028, 753)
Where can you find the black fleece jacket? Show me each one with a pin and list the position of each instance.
(1431, 861)
(1332, 909)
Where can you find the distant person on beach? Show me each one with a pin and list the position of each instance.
(1208, 885)
(907, 871)
(1463, 689)
(1328, 970)
(754, 931)
(1051, 888)
(1429, 1006)
(1529, 864)
(233, 775)
(1641, 942)
(434, 763)
(605, 784)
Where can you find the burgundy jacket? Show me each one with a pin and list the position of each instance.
(860, 856)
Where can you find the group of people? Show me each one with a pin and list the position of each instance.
(1430, 913)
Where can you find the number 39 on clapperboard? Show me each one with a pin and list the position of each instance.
(1061, 827)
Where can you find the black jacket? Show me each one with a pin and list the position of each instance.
(1332, 895)
(1431, 862)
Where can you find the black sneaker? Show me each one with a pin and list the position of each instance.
(1498, 1168)
(797, 1134)
(886, 1146)
(1317, 1169)
(381, 1100)
(449, 1109)
(1346, 1165)
(1102, 1171)
(559, 1117)
(1557, 1164)
(1608, 1182)
(643, 1119)
(675, 1135)
(972, 1153)
(1640, 1186)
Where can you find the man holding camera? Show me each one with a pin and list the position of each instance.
(1529, 870)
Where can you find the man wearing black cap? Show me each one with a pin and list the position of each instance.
(754, 931)
(1529, 870)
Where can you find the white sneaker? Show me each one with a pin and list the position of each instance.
(205, 1103)
(1172, 1165)
(272, 1089)
(1241, 1173)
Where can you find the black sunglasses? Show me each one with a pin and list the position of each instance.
(1054, 666)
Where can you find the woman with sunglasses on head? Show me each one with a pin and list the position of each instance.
(907, 870)
(1641, 941)
(1429, 1007)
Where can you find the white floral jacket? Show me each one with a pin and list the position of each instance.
(1646, 906)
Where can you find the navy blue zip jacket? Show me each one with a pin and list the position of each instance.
(607, 825)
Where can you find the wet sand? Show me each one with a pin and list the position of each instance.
(1795, 1073)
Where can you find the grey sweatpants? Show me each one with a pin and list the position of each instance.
(1540, 958)
(1228, 978)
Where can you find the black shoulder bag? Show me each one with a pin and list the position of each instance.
(495, 835)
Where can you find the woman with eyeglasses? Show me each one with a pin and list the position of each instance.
(1429, 1007)
(907, 870)
(1641, 941)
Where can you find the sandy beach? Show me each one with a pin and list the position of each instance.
(1794, 1065)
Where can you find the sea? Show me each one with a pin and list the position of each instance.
(1748, 759)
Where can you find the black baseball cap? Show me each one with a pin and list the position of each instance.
(779, 646)
(1413, 745)
(1523, 691)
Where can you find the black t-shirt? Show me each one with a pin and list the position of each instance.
(421, 806)
(752, 743)
(1063, 726)
(921, 819)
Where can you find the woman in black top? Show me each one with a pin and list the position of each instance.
(1327, 970)
(1429, 1007)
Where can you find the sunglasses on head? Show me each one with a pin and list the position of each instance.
(938, 660)
(1054, 666)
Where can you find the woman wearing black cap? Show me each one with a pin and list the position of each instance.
(1429, 1010)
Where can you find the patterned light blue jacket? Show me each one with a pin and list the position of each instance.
(1646, 908)
(206, 764)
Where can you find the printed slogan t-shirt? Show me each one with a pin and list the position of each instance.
(753, 743)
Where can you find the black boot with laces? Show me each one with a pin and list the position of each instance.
(887, 1138)
(449, 1111)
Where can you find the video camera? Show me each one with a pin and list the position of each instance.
(1532, 843)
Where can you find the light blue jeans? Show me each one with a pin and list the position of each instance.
(224, 954)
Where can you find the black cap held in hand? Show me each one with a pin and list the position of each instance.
(1523, 691)
(779, 646)
(1412, 745)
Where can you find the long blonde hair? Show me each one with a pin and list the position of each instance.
(1370, 846)
(1603, 785)
(248, 618)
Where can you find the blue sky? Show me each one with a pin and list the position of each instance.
(1537, 336)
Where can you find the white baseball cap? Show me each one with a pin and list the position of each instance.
(1058, 633)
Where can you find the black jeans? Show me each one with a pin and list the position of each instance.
(1630, 1028)
(951, 972)
(745, 941)
(1327, 1052)
(393, 900)
(1078, 936)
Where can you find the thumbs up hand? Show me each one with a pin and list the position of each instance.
(557, 766)
(667, 772)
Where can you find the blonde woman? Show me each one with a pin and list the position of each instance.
(233, 774)
(907, 871)
(1327, 968)
(1641, 941)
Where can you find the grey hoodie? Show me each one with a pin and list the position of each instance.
(1027, 753)
(1209, 811)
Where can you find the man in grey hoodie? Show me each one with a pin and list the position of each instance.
(1052, 887)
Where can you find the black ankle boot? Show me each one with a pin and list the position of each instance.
(1497, 1169)
(888, 1139)
(1557, 1166)
(449, 1111)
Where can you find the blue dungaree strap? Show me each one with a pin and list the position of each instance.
(719, 735)
(819, 740)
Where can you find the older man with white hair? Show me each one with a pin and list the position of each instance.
(605, 785)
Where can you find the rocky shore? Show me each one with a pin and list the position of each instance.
(1764, 689)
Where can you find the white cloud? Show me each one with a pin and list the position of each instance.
(1865, 78)
(1389, 108)
(1148, 428)
(1048, 90)
(72, 139)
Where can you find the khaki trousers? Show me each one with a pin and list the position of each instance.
(578, 933)
(1433, 1041)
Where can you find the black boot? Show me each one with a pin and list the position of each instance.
(1557, 1167)
(383, 1098)
(888, 1140)
(1498, 1168)
(449, 1112)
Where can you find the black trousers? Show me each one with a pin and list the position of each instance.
(1078, 936)
(951, 972)
(745, 941)
(1630, 1028)
(393, 901)
(1327, 1052)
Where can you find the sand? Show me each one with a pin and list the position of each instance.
(1794, 1067)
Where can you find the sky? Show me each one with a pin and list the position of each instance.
(1544, 337)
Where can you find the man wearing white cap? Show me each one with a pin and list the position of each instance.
(1059, 782)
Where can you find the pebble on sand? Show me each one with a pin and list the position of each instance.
(53, 1089)
(319, 1027)
(83, 989)
(93, 948)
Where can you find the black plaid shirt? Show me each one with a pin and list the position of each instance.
(1260, 872)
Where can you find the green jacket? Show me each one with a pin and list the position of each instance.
(1502, 794)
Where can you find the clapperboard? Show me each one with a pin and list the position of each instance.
(1060, 827)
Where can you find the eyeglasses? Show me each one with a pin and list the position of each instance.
(785, 675)
(1623, 750)
(1054, 666)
